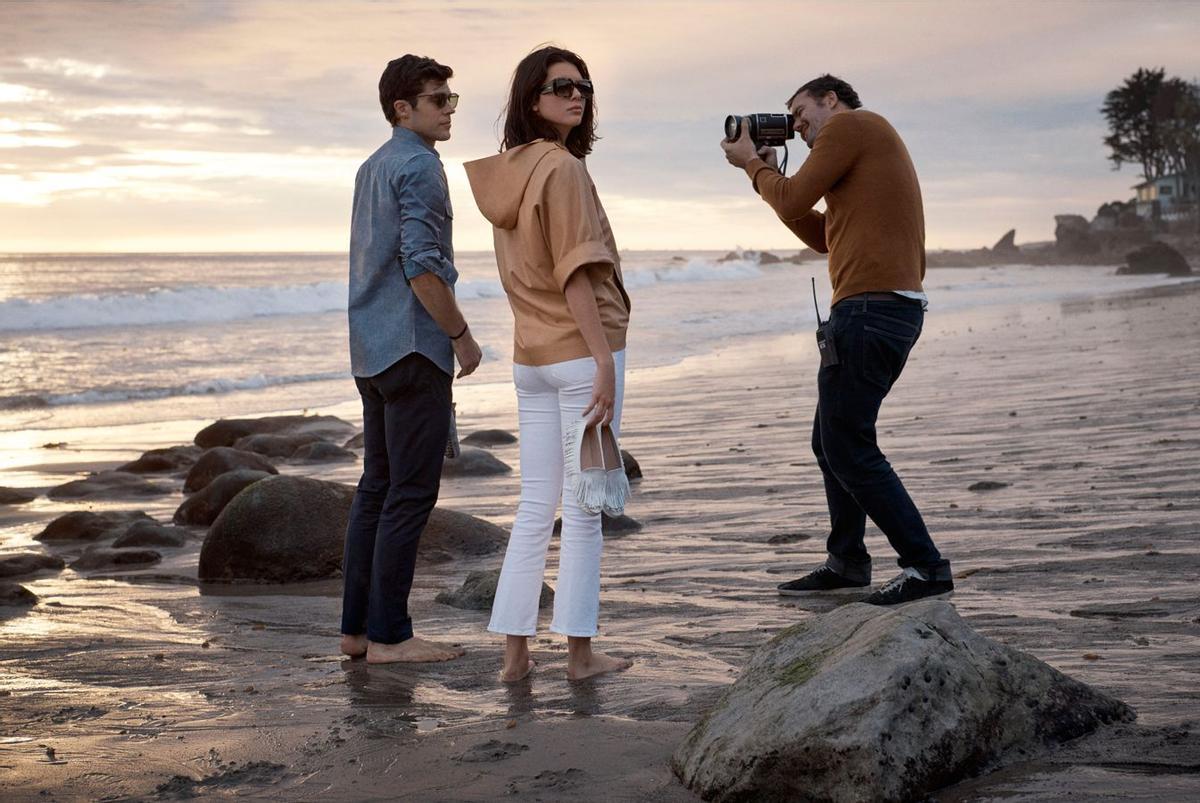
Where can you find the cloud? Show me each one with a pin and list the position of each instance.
(254, 104)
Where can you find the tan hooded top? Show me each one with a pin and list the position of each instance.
(548, 223)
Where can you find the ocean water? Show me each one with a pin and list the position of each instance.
(97, 340)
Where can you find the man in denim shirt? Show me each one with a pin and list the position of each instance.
(405, 332)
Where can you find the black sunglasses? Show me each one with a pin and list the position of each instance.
(442, 99)
(565, 88)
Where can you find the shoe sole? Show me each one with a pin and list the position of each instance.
(942, 595)
(805, 593)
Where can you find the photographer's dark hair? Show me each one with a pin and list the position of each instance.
(523, 125)
(404, 78)
(817, 88)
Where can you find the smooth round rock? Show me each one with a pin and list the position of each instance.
(271, 445)
(158, 461)
(220, 460)
(228, 430)
(108, 485)
(30, 563)
(473, 462)
(85, 525)
(489, 437)
(203, 507)
(478, 592)
(14, 595)
(149, 534)
(102, 558)
(16, 496)
(323, 452)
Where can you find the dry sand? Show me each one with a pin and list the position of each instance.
(145, 685)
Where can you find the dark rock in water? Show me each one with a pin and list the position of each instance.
(17, 565)
(473, 462)
(489, 437)
(222, 459)
(160, 460)
(323, 452)
(16, 596)
(610, 526)
(761, 257)
(205, 505)
(987, 485)
(354, 443)
(16, 496)
(102, 558)
(632, 469)
(1073, 236)
(107, 485)
(1007, 244)
(1157, 257)
(228, 430)
(286, 529)
(149, 533)
(84, 525)
(478, 592)
(882, 704)
(270, 445)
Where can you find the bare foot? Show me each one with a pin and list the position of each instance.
(354, 646)
(595, 664)
(519, 673)
(413, 651)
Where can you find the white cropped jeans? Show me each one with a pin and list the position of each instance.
(548, 398)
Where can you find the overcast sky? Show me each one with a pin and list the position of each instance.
(226, 126)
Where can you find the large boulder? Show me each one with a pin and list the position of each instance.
(1157, 257)
(205, 505)
(149, 534)
(287, 529)
(220, 460)
(1073, 236)
(103, 558)
(882, 704)
(156, 461)
(108, 485)
(29, 563)
(84, 525)
(272, 445)
(16, 496)
(472, 462)
(489, 437)
(228, 430)
(478, 592)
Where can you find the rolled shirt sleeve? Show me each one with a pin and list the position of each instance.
(424, 209)
(572, 225)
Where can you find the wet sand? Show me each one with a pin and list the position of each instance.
(1087, 415)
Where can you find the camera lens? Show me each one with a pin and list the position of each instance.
(733, 124)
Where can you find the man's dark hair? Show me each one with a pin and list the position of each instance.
(818, 87)
(522, 124)
(404, 78)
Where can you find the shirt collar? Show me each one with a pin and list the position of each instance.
(408, 135)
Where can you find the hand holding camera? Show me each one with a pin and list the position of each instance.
(756, 135)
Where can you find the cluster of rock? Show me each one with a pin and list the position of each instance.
(767, 258)
(262, 526)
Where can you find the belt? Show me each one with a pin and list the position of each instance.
(877, 297)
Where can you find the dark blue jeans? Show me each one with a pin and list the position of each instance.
(873, 339)
(406, 418)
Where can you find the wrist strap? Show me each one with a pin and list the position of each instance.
(463, 332)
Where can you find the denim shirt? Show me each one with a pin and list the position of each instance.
(399, 229)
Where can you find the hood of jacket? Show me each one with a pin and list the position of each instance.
(499, 182)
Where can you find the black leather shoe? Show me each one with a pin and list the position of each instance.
(907, 587)
(823, 579)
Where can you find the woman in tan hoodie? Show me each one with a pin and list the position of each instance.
(559, 267)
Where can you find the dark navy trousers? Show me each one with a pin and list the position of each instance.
(873, 339)
(406, 418)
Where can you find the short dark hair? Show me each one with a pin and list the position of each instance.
(522, 124)
(818, 87)
(404, 78)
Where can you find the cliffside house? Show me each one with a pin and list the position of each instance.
(1169, 197)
